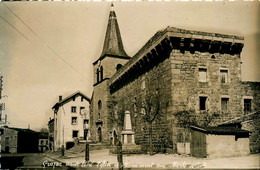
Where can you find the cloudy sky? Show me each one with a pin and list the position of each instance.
(47, 48)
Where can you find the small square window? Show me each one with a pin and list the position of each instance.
(73, 109)
(203, 103)
(224, 103)
(247, 105)
(202, 74)
(75, 133)
(86, 121)
(223, 76)
(81, 110)
(74, 120)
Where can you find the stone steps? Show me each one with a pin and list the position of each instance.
(81, 147)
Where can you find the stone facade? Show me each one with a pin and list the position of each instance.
(176, 70)
(17, 140)
(9, 140)
(112, 58)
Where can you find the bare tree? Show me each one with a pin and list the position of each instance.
(117, 119)
(152, 105)
(45, 130)
(187, 118)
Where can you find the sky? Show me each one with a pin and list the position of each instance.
(47, 48)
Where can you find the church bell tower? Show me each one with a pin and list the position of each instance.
(112, 58)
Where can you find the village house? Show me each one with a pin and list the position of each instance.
(43, 141)
(18, 140)
(51, 134)
(176, 70)
(70, 124)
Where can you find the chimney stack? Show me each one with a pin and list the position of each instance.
(60, 98)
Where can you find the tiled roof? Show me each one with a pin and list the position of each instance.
(70, 97)
(220, 130)
(43, 135)
(22, 130)
(251, 116)
(113, 44)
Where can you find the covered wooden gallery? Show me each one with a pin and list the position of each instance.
(212, 142)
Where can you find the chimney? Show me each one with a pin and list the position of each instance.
(60, 98)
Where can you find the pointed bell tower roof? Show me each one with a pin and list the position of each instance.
(113, 44)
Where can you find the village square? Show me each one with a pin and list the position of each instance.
(178, 102)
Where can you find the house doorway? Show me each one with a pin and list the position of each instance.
(99, 132)
(85, 134)
(114, 137)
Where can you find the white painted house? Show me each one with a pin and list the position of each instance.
(71, 120)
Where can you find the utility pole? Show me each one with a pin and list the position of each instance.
(62, 147)
(87, 148)
(1, 104)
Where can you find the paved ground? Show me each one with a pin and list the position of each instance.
(23, 160)
(103, 158)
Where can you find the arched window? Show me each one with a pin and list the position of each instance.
(97, 75)
(99, 104)
(118, 66)
(101, 73)
(99, 116)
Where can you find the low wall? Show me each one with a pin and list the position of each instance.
(226, 146)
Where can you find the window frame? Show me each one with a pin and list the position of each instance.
(223, 69)
(247, 109)
(73, 109)
(76, 120)
(200, 76)
(86, 120)
(99, 104)
(205, 104)
(227, 104)
(80, 109)
(76, 132)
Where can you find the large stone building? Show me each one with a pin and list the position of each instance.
(176, 70)
(71, 121)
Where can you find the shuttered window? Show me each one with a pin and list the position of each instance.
(202, 74)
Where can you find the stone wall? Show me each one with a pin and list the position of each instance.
(101, 93)
(180, 89)
(187, 89)
(253, 127)
(226, 146)
(11, 142)
(143, 91)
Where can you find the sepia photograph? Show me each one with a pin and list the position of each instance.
(139, 84)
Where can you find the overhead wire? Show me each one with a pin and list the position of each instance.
(14, 27)
(42, 42)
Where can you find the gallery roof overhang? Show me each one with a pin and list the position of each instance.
(164, 41)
